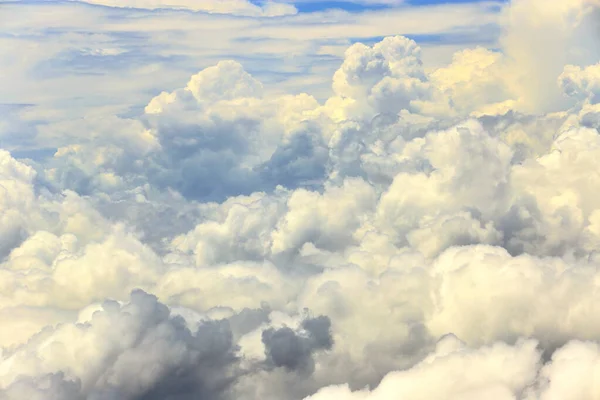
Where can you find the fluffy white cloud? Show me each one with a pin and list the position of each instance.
(126, 339)
(389, 74)
(220, 136)
(454, 372)
(565, 33)
(581, 83)
(16, 199)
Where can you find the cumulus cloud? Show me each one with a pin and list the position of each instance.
(583, 84)
(286, 348)
(566, 33)
(426, 233)
(389, 73)
(454, 372)
(127, 339)
(222, 137)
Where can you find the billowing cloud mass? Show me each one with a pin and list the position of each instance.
(423, 233)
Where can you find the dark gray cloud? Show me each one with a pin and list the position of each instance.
(158, 358)
(293, 350)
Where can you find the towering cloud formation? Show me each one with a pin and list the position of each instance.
(423, 234)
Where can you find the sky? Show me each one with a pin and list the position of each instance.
(299, 200)
(361, 6)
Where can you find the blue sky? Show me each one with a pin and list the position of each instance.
(360, 6)
(340, 5)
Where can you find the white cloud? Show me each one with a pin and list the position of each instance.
(235, 7)
(426, 232)
(582, 83)
(455, 373)
(566, 33)
(64, 71)
(387, 77)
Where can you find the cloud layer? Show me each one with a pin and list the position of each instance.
(423, 233)
(235, 7)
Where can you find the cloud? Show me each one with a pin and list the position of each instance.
(285, 348)
(131, 336)
(425, 232)
(388, 74)
(17, 196)
(583, 84)
(127, 338)
(570, 373)
(222, 137)
(454, 372)
(565, 35)
(235, 7)
(68, 50)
